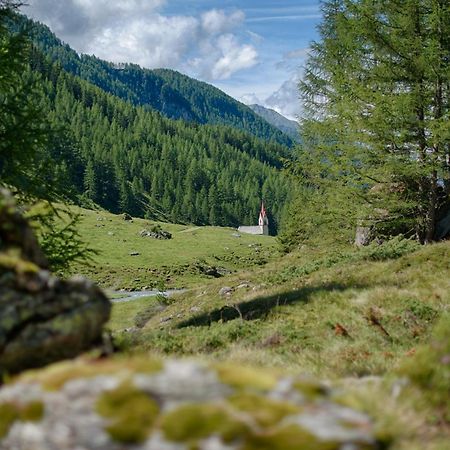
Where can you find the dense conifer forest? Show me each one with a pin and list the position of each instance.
(107, 150)
(175, 95)
(129, 159)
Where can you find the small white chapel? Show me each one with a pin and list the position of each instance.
(263, 224)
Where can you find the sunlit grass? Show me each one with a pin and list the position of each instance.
(127, 260)
(351, 319)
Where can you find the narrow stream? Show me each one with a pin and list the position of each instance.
(134, 295)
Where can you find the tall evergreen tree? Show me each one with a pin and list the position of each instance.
(377, 103)
(22, 133)
(30, 155)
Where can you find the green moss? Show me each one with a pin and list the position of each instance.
(309, 388)
(189, 423)
(12, 412)
(32, 412)
(132, 413)
(8, 415)
(12, 260)
(290, 437)
(55, 376)
(244, 377)
(265, 411)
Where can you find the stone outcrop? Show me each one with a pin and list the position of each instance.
(148, 404)
(42, 318)
(156, 233)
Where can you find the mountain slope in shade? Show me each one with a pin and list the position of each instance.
(132, 159)
(175, 95)
(289, 127)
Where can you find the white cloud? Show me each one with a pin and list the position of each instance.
(217, 21)
(137, 31)
(299, 53)
(293, 60)
(233, 57)
(250, 99)
(161, 42)
(289, 17)
(286, 99)
(256, 38)
(78, 21)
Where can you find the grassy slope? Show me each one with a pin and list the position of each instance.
(334, 313)
(302, 322)
(173, 263)
(327, 310)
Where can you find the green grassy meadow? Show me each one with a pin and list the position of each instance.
(354, 318)
(175, 263)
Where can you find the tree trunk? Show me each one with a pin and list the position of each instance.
(430, 218)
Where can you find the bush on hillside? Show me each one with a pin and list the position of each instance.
(391, 249)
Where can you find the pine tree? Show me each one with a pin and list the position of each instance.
(377, 103)
(23, 132)
(30, 148)
(91, 188)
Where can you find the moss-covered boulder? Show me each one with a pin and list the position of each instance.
(42, 318)
(144, 403)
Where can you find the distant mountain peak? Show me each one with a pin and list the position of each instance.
(287, 126)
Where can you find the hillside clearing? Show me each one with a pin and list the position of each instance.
(362, 324)
(126, 260)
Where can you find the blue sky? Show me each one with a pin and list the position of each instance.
(253, 50)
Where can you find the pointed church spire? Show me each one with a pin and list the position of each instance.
(263, 224)
(262, 214)
(263, 220)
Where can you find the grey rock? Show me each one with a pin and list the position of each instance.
(71, 420)
(225, 291)
(290, 127)
(183, 381)
(363, 236)
(156, 233)
(336, 423)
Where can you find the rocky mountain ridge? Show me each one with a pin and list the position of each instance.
(287, 126)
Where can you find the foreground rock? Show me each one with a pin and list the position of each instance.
(147, 404)
(42, 318)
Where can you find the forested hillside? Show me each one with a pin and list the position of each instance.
(129, 159)
(175, 95)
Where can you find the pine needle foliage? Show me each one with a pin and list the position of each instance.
(376, 129)
(25, 140)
